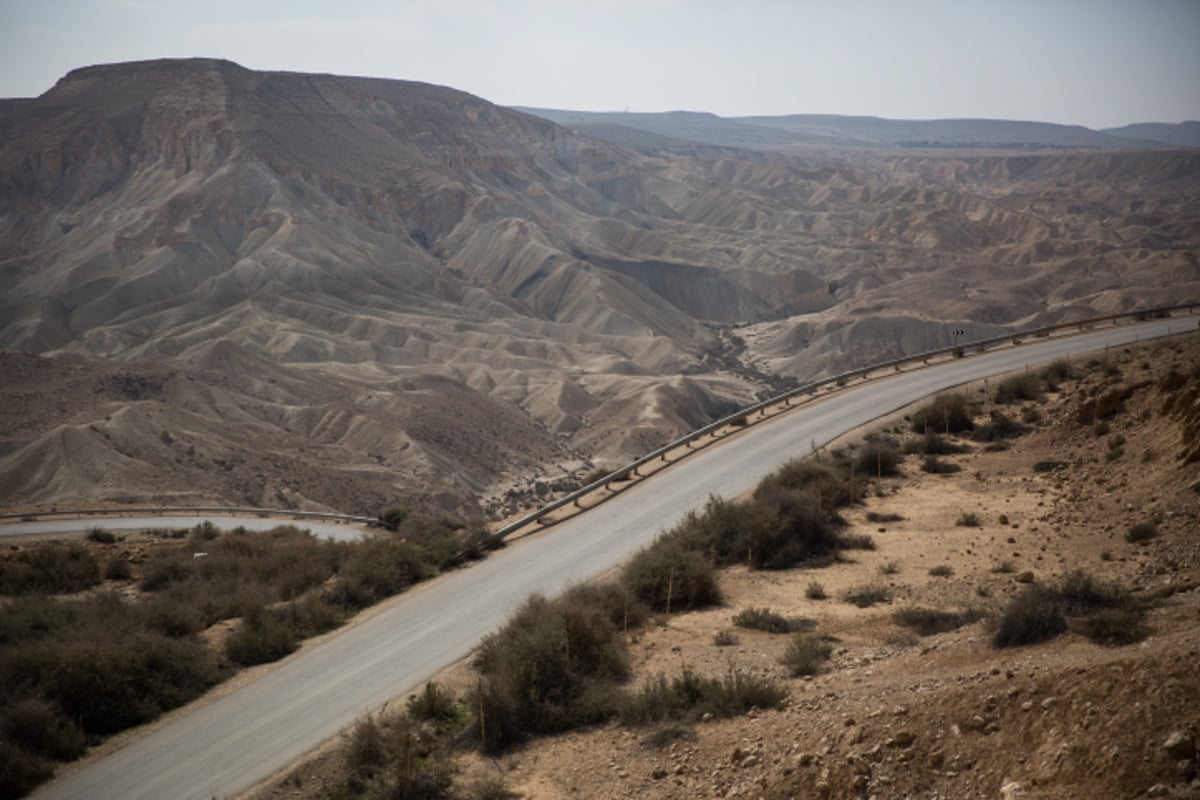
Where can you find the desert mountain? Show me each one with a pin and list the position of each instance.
(313, 290)
(1179, 134)
(798, 131)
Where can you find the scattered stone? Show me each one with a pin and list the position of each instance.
(1025, 577)
(975, 723)
(1180, 745)
(902, 739)
(1049, 703)
(659, 773)
(1011, 790)
(1157, 790)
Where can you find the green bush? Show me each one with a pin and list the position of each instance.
(1107, 614)
(689, 695)
(828, 480)
(416, 773)
(815, 591)
(942, 571)
(20, 770)
(805, 654)
(546, 671)
(366, 750)
(799, 530)
(110, 683)
(878, 459)
(377, 569)
(263, 637)
(433, 704)
(172, 617)
(118, 569)
(968, 519)
(1026, 386)
(49, 569)
(622, 607)
(666, 577)
(1033, 616)
(947, 413)
(392, 517)
(38, 726)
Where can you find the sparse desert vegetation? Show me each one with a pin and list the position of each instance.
(1011, 574)
(90, 651)
(659, 676)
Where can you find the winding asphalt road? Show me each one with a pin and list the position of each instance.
(226, 745)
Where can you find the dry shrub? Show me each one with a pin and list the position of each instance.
(548, 670)
(690, 695)
(49, 569)
(928, 621)
(764, 619)
(806, 654)
(947, 413)
(1026, 386)
(1104, 613)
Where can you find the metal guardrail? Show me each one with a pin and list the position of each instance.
(167, 510)
(959, 350)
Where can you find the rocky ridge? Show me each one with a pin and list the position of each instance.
(347, 249)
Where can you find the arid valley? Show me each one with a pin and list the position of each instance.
(309, 292)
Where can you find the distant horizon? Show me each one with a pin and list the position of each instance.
(1099, 64)
(611, 110)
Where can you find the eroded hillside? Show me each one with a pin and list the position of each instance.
(387, 271)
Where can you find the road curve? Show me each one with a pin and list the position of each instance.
(227, 745)
(328, 530)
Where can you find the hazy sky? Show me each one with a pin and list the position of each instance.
(1098, 63)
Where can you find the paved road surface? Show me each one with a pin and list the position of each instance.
(225, 746)
(329, 530)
